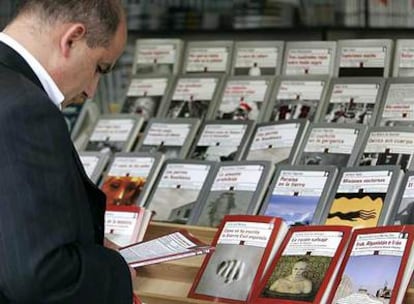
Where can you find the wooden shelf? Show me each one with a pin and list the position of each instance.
(170, 282)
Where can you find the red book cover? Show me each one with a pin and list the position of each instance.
(244, 245)
(305, 266)
(377, 267)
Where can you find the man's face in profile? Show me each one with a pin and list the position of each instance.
(122, 190)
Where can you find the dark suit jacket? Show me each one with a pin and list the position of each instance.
(51, 214)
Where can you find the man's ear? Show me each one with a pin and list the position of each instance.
(72, 34)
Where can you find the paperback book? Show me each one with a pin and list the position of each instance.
(363, 197)
(179, 186)
(244, 247)
(244, 98)
(298, 194)
(403, 58)
(403, 212)
(277, 142)
(221, 140)
(297, 98)
(353, 100)
(237, 188)
(94, 164)
(172, 137)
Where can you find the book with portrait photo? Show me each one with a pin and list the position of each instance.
(298, 193)
(397, 107)
(146, 95)
(221, 140)
(309, 58)
(403, 58)
(193, 96)
(331, 144)
(179, 185)
(114, 133)
(363, 197)
(364, 57)
(277, 142)
(130, 177)
(212, 56)
(244, 246)
(403, 210)
(377, 266)
(353, 100)
(305, 266)
(94, 164)
(244, 98)
(236, 188)
(157, 56)
(388, 146)
(257, 58)
(171, 136)
(297, 97)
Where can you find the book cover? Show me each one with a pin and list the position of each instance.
(157, 56)
(309, 58)
(193, 97)
(257, 58)
(353, 100)
(297, 97)
(94, 164)
(114, 133)
(177, 189)
(298, 194)
(173, 246)
(244, 246)
(403, 210)
(305, 267)
(403, 58)
(364, 57)
(237, 188)
(363, 196)
(221, 140)
(388, 146)
(397, 108)
(130, 177)
(208, 56)
(277, 142)
(81, 124)
(332, 144)
(146, 95)
(244, 98)
(377, 266)
(171, 136)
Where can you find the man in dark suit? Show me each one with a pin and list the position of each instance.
(51, 214)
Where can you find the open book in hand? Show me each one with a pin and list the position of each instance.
(176, 245)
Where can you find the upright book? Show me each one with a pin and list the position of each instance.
(403, 58)
(364, 58)
(237, 188)
(94, 164)
(363, 197)
(172, 137)
(388, 146)
(193, 96)
(353, 100)
(221, 140)
(245, 245)
(305, 267)
(244, 98)
(257, 58)
(403, 210)
(114, 133)
(332, 144)
(297, 97)
(208, 56)
(377, 266)
(157, 56)
(130, 177)
(298, 193)
(309, 58)
(180, 184)
(277, 141)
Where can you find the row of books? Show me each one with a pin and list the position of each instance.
(342, 58)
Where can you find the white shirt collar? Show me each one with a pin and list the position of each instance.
(47, 82)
